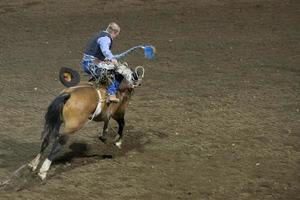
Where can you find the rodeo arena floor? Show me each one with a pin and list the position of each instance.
(217, 116)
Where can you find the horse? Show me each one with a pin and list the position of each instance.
(73, 108)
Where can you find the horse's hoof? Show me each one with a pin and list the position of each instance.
(31, 167)
(42, 175)
(34, 163)
(119, 144)
(103, 139)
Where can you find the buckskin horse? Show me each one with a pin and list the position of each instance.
(76, 105)
(73, 108)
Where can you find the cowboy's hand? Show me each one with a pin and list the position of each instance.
(114, 61)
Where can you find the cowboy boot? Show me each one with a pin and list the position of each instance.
(113, 98)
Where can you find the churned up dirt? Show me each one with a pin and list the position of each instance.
(217, 116)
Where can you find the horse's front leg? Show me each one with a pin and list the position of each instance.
(121, 123)
(103, 134)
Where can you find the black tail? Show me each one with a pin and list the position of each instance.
(53, 117)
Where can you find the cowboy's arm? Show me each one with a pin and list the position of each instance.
(104, 43)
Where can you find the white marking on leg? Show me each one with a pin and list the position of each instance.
(34, 163)
(44, 169)
(118, 144)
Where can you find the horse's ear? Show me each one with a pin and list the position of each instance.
(69, 77)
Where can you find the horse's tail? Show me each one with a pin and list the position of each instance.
(53, 119)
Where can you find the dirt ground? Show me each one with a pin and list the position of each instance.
(217, 116)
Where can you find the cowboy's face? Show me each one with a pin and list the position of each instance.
(115, 34)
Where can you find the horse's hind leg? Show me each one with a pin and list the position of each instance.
(121, 123)
(71, 125)
(57, 146)
(34, 163)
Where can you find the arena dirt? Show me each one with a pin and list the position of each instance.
(217, 116)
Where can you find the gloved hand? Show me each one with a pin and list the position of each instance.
(114, 61)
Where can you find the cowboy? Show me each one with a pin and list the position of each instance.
(98, 51)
